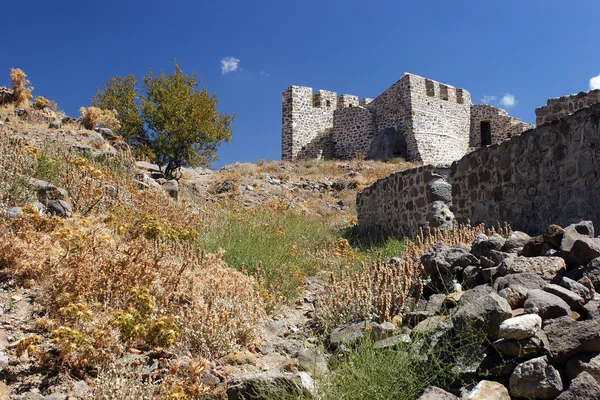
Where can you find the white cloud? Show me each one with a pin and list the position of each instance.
(263, 73)
(508, 100)
(595, 83)
(229, 64)
(487, 99)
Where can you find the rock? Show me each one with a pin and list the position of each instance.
(529, 347)
(414, 317)
(172, 188)
(533, 248)
(487, 390)
(515, 241)
(439, 190)
(313, 361)
(382, 330)
(59, 208)
(13, 212)
(107, 134)
(55, 124)
(514, 287)
(496, 257)
(349, 335)
(521, 327)
(568, 337)
(31, 396)
(591, 271)
(583, 387)
(459, 257)
(472, 276)
(432, 325)
(209, 379)
(249, 385)
(574, 232)
(488, 274)
(546, 305)
(584, 362)
(484, 314)
(572, 299)
(483, 244)
(536, 378)
(80, 389)
(147, 166)
(585, 292)
(591, 310)
(435, 303)
(435, 393)
(392, 341)
(96, 141)
(585, 250)
(440, 216)
(546, 267)
(46, 191)
(494, 365)
(553, 235)
(87, 151)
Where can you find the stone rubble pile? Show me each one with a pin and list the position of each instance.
(536, 301)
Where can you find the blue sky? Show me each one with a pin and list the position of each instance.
(530, 49)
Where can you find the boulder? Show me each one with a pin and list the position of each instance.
(249, 385)
(572, 299)
(536, 379)
(581, 290)
(13, 212)
(533, 248)
(349, 335)
(487, 390)
(313, 361)
(553, 235)
(439, 190)
(59, 208)
(515, 241)
(172, 188)
(440, 216)
(481, 314)
(568, 337)
(432, 325)
(435, 393)
(546, 267)
(585, 250)
(546, 305)
(392, 341)
(434, 260)
(584, 362)
(583, 387)
(459, 257)
(471, 276)
(514, 287)
(574, 232)
(520, 327)
(529, 347)
(591, 271)
(483, 244)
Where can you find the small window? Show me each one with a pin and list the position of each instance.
(444, 92)
(459, 96)
(350, 105)
(486, 133)
(429, 88)
(328, 103)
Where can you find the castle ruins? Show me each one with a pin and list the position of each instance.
(416, 118)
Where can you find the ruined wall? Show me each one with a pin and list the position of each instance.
(441, 116)
(562, 106)
(502, 125)
(397, 204)
(353, 130)
(550, 174)
(306, 119)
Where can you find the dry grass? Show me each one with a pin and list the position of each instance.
(21, 89)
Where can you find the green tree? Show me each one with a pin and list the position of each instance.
(121, 94)
(185, 126)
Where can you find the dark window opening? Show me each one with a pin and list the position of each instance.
(350, 105)
(486, 133)
(328, 103)
(444, 92)
(459, 96)
(429, 88)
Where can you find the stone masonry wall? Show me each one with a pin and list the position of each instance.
(440, 120)
(397, 204)
(306, 118)
(353, 130)
(562, 106)
(550, 174)
(502, 125)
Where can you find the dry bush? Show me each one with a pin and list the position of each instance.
(16, 161)
(91, 117)
(378, 290)
(21, 89)
(41, 102)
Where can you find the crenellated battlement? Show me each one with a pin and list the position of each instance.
(562, 106)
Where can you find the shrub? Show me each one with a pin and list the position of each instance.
(21, 89)
(91, 117)
(41, 102)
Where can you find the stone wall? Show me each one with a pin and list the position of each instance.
(399, 203)
(547, 175)
(562, 106)
(440, 120)
(306, 118)
(353, 130)
(502, 125)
